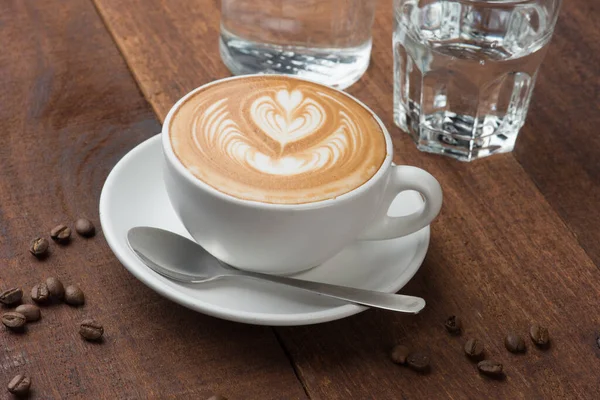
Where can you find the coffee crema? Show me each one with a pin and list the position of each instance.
(277, 140)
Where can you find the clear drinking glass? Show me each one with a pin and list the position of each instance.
(328, 41)
(464, 71)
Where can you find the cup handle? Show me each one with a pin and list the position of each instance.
(406, 178)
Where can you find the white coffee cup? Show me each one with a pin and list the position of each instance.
(288, 238)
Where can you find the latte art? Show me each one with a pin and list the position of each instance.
(277, 140)
(287, 117)
(284, 122)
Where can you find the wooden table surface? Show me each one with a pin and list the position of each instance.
(82, 82)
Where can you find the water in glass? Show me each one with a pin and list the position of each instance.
(324, 41)
(464, 71)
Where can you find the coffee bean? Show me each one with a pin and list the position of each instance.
(74, 296)
(418, 361)
(474, 349)
(11, 296)
(453, 324)
(85, 227)
(39, 247)
(19, 385)
(40, 293)
(217, 397)
(61, 233)
(91, 330)
(514, 343)
(30, 311)
(539, 335)
(400, 354)
(55, 287)
(490, 368)
(13, 320)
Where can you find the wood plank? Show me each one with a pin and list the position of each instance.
(560, 146)
(183, 45)
(70, 110)
(500, 256)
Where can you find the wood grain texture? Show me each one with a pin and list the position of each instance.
(70, 110)
(560, 145)
(500, 256)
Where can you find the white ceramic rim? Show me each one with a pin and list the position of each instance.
(191, 178)
(156, 283)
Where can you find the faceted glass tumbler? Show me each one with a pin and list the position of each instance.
(464, 71)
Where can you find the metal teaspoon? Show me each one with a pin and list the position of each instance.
(173, 256)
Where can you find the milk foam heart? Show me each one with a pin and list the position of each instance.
(287, 117)
(277, 140)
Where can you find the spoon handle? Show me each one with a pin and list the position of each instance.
(369, 298)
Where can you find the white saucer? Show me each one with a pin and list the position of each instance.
(134, 195)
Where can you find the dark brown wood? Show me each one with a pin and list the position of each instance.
(560, 145)
(501, 256)
(184, 45)
(70, 110)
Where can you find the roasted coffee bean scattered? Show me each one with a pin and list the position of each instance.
(453, 324)
(11, 297)
(61, 233)
(74, 296)
(91, 330)
(400, 354)
(40, 293)
(418, 361)
(514, 343)
(55, 287)
(217, 397)
(474, 349)
(30, 311)
(85, 228)
(19, 385)
(13, 320)
(39, 247)
(539, 335)
(490, 368)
